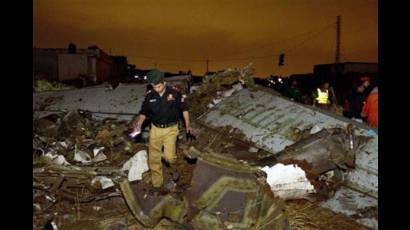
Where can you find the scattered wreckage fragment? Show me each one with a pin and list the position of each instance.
(223, 194)
(323, 151)
(75, 184)
(323, 156)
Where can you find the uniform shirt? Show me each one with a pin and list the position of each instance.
(164, 109)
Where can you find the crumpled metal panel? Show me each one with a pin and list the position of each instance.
(223, 194)
(324, 151)
(151, 209)
(126, 99)
(364, 209)
(227, 194)
(269, 121)
(365, 175)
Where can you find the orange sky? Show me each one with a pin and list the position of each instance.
(175, 35)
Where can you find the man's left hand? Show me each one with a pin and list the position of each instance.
(189, 134)
(189, 129)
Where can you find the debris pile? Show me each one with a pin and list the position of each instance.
(76, 160)
(75, 138)
(44, 85)
(90, 174)
(73, 181)
(218, 86)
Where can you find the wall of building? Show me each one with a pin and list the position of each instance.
(92, 69)
(72, 66)
(120, 70)
(105, 67)
(45, 65)
(92, 63)
(360, 68)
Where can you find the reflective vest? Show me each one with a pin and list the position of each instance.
(322, 96)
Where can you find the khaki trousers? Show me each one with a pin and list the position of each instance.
(159, 137)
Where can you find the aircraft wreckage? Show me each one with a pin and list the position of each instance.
(258, 161)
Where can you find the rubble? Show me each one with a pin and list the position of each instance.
(306, 155)
(274, 125)
(66, 180)
(78, 138)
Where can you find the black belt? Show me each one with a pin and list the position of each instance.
(165, 125)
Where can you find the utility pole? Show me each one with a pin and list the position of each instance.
(338, 25)
(337, 60)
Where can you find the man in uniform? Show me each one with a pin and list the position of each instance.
(163, 105)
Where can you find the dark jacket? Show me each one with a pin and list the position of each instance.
(164, 109)
(357, 104)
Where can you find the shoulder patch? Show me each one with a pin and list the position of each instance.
(170, 97)
(175, 88)
(148, 92)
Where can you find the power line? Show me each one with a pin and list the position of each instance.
(311, 33)
(271, 44)
(172, 59)
(308, 39)
(242, 58)
(285, 51)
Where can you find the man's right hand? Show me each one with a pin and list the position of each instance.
(137, 123)
(136, 126)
